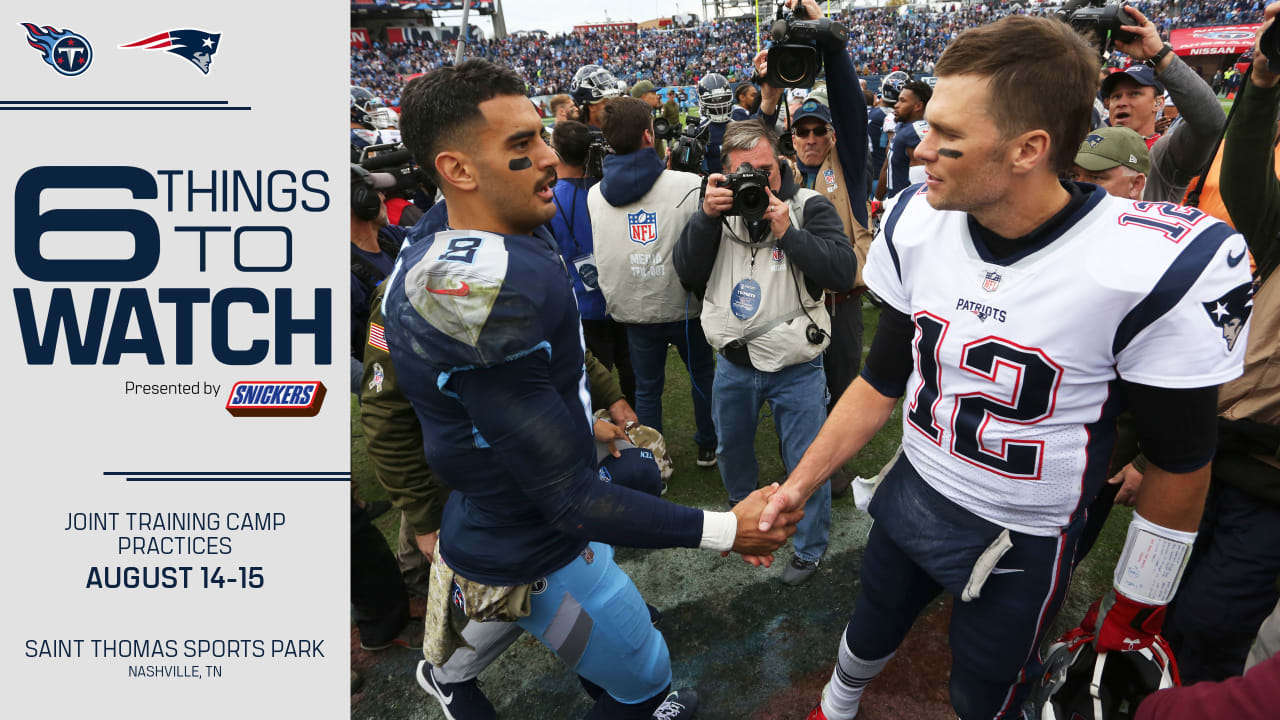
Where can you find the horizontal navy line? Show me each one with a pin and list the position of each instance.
(115, 102)
(108, 107)
(233, 472)
(237, 479)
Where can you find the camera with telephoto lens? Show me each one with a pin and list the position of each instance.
(393, 159)
(689, 148)
(750, 189)
(664, 129)
(794, 60)
(1099, 21)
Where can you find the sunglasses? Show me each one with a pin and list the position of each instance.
(820, 131)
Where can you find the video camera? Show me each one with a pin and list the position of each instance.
(595, 155)
(1098, 20)
(393, 159)
(689, 148)
(794, 60)
(750, 189)
(664, 129)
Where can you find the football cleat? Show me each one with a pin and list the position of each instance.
(679, 705)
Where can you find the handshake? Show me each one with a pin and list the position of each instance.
(754, 544)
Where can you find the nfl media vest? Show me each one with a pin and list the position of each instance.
(633, 245)
(765, 305)
(830, 182)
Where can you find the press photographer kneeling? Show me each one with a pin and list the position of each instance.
(762, 279)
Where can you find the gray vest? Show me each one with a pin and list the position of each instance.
(633, 246)
(765, 305)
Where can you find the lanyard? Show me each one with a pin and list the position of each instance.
(569, 218)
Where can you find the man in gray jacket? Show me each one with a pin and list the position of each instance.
(763, 311)
(1136, 97)
(637, 212)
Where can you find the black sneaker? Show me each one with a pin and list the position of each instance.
(458, 701)
(706, 457)
(409, 638)
(678, 706)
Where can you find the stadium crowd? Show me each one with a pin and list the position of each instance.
(1063, 304)
(881, 41)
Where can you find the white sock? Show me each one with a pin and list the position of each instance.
(842, 694)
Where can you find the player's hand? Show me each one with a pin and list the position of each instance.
(608, 433)
(1125, 624)
(427, 544)
(718, 200)
(622, 413)
(778, 215)
(1130, 482)
(753, 543)
(784, 500)
(1262, 74)
(1148, 42)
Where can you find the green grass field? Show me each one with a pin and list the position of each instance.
(753, 647)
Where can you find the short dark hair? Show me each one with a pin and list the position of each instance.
(742, 90)
(439, 108)
(920, 89)
(1022, 57)
(625, 120)
(571, 140)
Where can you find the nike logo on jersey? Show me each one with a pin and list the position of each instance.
(1234, 261)
(458, 291)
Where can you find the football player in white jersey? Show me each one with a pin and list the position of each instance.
(1021, 314)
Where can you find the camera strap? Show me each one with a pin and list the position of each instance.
(784, 318)
(1193, 197)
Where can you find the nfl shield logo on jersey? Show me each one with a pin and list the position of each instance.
(991, 281)
(644, 227)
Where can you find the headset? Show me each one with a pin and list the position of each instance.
(365, 203)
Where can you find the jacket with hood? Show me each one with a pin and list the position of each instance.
(637, 213)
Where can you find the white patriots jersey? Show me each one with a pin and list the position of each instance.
(1009, 410)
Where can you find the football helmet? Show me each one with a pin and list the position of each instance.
(1077, 683)
(591, 84)
(364, 107)
(715, 98)
(892, 84)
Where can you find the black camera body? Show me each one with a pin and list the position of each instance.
(595, 156)
(664, 129)
(794, 60)
(1101, 22)
(393, 159)
(750, 189)
(688, 149)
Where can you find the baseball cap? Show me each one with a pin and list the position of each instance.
(1109, 147)
(642, 88)
(812, 109)
(1141, 74)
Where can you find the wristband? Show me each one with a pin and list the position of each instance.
(1154, 60)
(1152, 562)
(719, 530)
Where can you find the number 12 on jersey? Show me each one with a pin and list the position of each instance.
(1035, 391)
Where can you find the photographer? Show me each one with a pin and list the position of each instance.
(571, 225)
(762, 284)
(374, 246)
(646, 92)
(1230, 584)
(637, 212)
(1136, 96)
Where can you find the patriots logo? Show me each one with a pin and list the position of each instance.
(643, 226)
(65, 51)
(1094, 139)
(197, 46)
(1231, 311)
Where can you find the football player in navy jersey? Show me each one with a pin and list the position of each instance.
(485, 334)
(1021, 314)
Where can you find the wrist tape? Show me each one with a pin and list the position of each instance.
(719, 530)
(1153, 561)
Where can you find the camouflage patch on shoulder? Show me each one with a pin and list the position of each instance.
(455, 285)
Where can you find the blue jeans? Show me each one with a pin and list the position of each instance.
(649, 360)
(797, 396)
